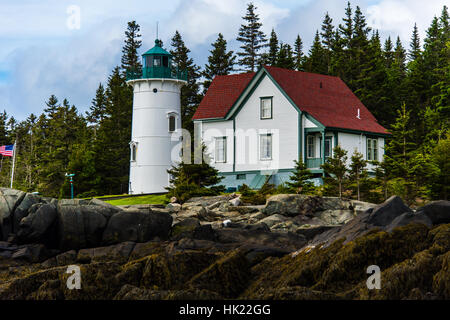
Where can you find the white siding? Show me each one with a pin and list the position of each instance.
(309, 124)
(211, 130)
(283, 126)
(349, 142)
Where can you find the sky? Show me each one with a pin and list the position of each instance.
(67, 48)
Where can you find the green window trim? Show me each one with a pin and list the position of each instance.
(261, 113)
(310, 153)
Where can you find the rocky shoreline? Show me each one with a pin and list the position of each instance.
(294, 247)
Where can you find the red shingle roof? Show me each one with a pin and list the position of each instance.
(326, 98)
(221, 95)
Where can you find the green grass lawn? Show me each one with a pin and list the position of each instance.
(150, 199)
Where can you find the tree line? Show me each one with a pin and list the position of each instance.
(407, 90)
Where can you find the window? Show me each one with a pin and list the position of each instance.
(265, 147)
(165, 61)
(172, 123)
(156, 61)
(133, 151)
(221, 145)
(372, 149)
(327, 147)
(311, 147)
(266, 108)
(241, 177)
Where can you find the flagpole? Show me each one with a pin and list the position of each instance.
(14, 163)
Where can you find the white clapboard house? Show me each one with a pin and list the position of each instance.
(256, 124)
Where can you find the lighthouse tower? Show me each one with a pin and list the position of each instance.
(156, 123)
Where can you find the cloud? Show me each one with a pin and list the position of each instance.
(397, 17)
(40, 56)
(198, 20)
(72, 70)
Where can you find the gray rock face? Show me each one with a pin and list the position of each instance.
(119, 252)
(407, 218)
(137, 226)
(384, 213)
(273, 220)
(437, 211)
(335, 217)
(9, 200)
(22, 209)
(36, 225)
(80, 226)
(285, 204)
(31, 253)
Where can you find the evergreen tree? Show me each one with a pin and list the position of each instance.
(358, 172)
(193, 180)
(220, 62)
(285, 57)
(371, 83)
(327, 35)
(441, 158)
(252, 39)
(415, 50)
(111, 147)
(190, 97)
(335, 168)
(273, 49)
(52, 105)
(98, 107)
(64, 126)
(388, 52)
(130, 58)
(298, 53)
(300, 179)
(316, 62)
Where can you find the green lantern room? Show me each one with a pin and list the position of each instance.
(157, 64)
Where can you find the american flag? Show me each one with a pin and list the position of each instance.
(7, 151)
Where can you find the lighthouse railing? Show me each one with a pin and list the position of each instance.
(157, 72)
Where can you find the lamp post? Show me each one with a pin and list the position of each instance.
(71, 175)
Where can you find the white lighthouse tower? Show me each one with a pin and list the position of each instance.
(156, 124)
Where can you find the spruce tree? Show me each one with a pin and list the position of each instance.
(113, 137)
(190, 97)
(273, 49)
(441, 158)
(315, 62)
(130, 58)
(252, 39)
(300, 179)
(327, 35)
(358, 172)
(52, 105)
(415, 50)
(98, 107)
(220, 62)
(298, 53)
(388, 52)
(335, 168)
(371, 85)
(285, 57)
